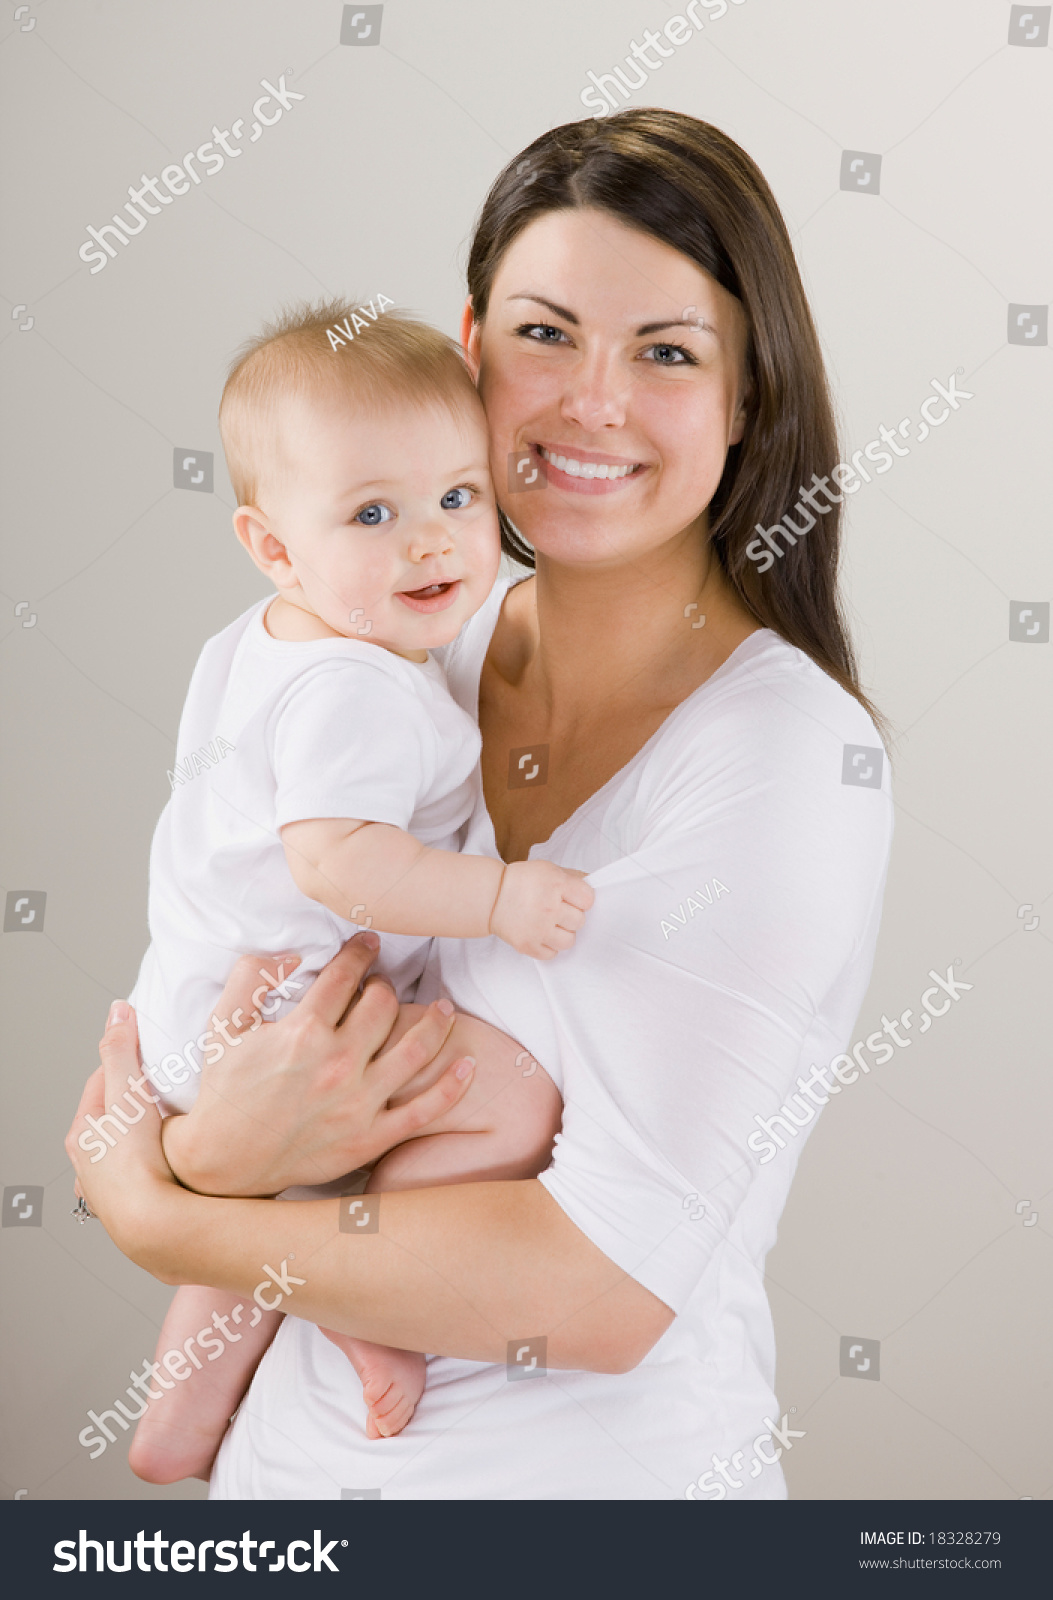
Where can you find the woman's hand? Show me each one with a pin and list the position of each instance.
(303, 1100)
(114, 1141)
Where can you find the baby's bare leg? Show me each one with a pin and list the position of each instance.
(502, 1128)
(182, 1429)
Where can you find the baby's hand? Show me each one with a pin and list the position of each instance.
(540, 907)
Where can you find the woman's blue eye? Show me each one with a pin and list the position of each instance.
(456, 499)
(541, 332)
(372, 516)
(671, 355)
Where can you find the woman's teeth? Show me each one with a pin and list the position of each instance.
(584, 469)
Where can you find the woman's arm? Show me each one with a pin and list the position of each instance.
(464, 1271)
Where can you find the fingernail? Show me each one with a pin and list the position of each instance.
(370, 940)
(446, 1007)
(120, 1011)
(466, 1068)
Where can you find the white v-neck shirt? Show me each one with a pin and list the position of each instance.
(738, 885)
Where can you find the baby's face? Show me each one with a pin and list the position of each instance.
(389, 519)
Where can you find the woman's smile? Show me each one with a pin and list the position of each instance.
(587, 471)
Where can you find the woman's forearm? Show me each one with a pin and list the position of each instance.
(463, 1271)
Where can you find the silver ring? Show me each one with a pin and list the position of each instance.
(81, 1212)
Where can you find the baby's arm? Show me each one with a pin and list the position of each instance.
(379, 875)
(184, 1424)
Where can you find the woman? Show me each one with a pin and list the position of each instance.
(661, 712)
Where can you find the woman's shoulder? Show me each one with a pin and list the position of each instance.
(776, 701)
(769, 732)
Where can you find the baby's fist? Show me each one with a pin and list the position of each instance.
(540, 907)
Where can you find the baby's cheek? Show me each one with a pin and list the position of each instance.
(367, 581)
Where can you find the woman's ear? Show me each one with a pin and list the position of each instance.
(470, 335)
(738, 426)
(266, 549)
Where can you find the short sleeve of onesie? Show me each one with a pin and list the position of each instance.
(349, 739)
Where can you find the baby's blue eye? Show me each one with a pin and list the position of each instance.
(372, 516)
(456, 499)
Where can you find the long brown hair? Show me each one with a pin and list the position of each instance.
(690, 186)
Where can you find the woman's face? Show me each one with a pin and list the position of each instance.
(612, 371)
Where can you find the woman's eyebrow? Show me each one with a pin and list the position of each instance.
(560, 311)
(645, 328)
(698, 323)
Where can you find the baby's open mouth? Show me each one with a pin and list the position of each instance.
(432, 596)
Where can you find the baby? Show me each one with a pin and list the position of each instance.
(324, 774)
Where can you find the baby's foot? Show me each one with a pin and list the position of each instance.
(392, 1382)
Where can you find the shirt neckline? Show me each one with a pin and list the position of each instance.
(375, 654)
(759, 634)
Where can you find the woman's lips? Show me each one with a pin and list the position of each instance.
(432, 597)
(588, 471)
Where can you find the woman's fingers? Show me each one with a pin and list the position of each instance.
(92, 1103)
(251, 978)
(334, 988)
(416, 1049)
(404, 1121)
(119, 1049)
(371, 1018)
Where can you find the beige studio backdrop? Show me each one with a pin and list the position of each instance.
(907, 142)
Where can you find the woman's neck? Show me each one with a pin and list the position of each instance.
(655, 627)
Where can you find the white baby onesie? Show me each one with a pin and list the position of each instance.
(276, 732)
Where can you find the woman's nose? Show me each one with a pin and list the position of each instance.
(595, 396)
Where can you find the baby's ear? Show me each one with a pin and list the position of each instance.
(266, 549)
